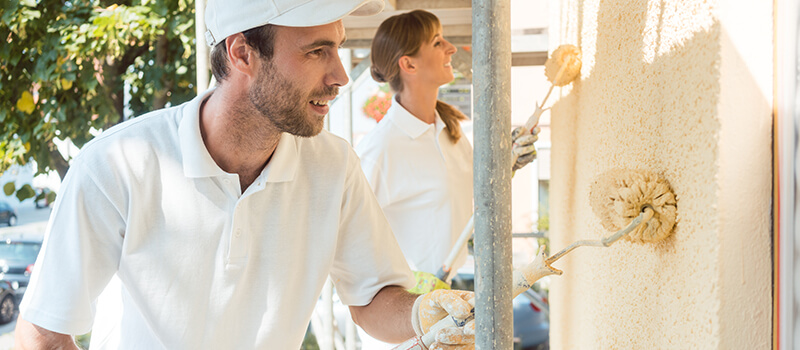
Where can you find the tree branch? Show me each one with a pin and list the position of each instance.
(113, 83)
(57, 161)
(130, 55)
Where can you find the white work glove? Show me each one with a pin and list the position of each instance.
(431, 307)
(454, 338)
(522, 146)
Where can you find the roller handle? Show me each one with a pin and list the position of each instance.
(444, 271)
(645, 216)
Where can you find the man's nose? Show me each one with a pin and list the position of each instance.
(336, 76)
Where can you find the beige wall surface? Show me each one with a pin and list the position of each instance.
(681, 88)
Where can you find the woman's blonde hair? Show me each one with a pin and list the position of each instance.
(403, 35)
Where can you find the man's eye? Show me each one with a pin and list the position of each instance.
(317, 52)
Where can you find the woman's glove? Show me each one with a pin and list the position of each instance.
(522, 146)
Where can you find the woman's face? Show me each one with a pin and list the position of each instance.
(434, 58)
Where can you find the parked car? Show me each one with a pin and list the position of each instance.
(532, 321)
(7, 213)
(8, 303)
(18, 253)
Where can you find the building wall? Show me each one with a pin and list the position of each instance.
(682, 88)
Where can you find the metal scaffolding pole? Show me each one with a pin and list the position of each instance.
(491, 62)
(201, 56)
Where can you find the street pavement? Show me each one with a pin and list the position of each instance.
(29, 220)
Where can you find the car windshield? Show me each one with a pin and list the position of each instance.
(21, 251)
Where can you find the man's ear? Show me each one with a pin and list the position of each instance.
(240, 55)
(407, 65)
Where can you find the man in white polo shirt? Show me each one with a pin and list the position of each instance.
(220, 219)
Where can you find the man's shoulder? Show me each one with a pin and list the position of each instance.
(155, 120)
(157, 129)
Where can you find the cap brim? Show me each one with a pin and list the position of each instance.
(318, 13)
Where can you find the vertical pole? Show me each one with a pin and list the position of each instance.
(491, 62)
(325, 340)
(786, 181)
(201, 55)
(350, 334)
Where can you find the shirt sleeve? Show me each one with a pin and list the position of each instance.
(80, 254)
(367, 256)
(371, 163)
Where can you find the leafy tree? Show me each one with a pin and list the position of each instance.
(66, 65)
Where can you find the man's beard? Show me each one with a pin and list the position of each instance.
(284, 105)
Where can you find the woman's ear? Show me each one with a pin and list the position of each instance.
(240, 55)
(407, 65)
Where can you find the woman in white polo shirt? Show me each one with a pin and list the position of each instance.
(417, 159)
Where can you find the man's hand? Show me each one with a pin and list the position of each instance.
(522, 146)
(454, 338)
(457, 305)
(431, 307)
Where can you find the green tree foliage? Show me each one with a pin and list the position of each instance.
(66, 64)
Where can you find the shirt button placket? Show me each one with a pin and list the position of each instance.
(237, 244)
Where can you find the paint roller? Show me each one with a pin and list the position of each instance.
(639, 204)
(562, 68)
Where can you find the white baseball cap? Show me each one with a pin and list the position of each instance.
(227, 17)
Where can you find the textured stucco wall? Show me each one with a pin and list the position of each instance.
(682, 88)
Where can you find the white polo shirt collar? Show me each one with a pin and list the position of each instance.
(285, 161)
(411, 125)
(197, 162)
